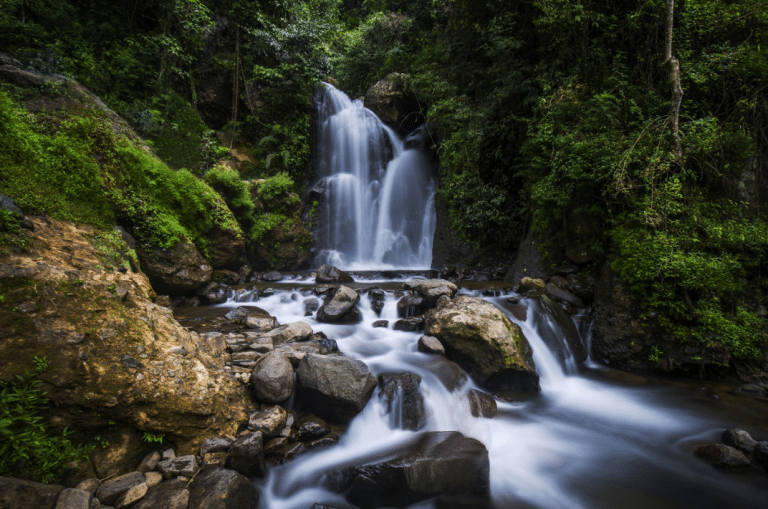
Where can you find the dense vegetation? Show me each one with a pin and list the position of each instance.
(545, 112)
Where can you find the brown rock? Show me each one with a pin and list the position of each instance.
(722, 456)
(175, 270)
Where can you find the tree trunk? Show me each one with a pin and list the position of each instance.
(674, 80)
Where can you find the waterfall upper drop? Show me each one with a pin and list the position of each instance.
(378, 206)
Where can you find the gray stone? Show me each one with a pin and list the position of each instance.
(212, 445)
(290, 333)
(430, 344)
(111, 489)
(414, 324)
(219, 488)
(335, 387)
(262, 324)
(19, 494)
(246, 455)
(272, 378)
(739, 439)
(563, 295)
(173, 494)
(380, 324)
(239, 315)
(311, 427)
(183, 465)
(153, 478)
(72, 498)
(169, 454)
(722, 456)
(131, 496)
(330, 274)
(481, 404)
(149, 462)
(411, 305)
(90, 485)
(432, 289)
(333, 310)
(269, 422)
(403, 400)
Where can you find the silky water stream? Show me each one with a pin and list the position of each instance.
(592, 438)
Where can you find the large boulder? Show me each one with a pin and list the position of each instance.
(226, 248)
(246, 455)
(437, 463)
(328, 274)
(219, 488)
(110, 358)
(334, 309)
(333, 386)
(290, 333)
(175, 270)
(394, 102)
(173, 494)
(480, 338)
(20, 494)
(272, 378)
(432, 289)
(110, 490)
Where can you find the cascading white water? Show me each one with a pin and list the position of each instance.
(583, 442)
(379, 196)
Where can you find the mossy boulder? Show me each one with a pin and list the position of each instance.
(177, 270)
(481, 339)
(111, 353)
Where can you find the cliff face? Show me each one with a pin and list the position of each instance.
(112, 354)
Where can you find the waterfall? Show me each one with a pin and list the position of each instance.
(379, 208)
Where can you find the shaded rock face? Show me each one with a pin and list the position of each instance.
(110, 358)
(334, 309)
(393, 101)
(528, 262)
(19, 494)
(219, 488)
(581, 237)
(334, 387)
(481, 339)
(173, 494)
(564, 331)
(177, 270)
(403, 400)
(438, 463)
(246, 455)
(226, 249)
(328, 274)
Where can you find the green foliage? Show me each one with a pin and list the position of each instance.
(153, 438)
(26, 447)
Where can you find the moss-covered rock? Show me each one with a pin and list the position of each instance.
(480, 338)
(112, 354)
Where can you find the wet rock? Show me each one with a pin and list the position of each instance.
(311, 305)
(430, 344)
(403, 400)
(72, 498)
(432, 289)
(352, 316)
(267, 292)
(411, 305)
(220, 488)
(269, 422)
(334, 309)
(328, 346)
(149, 462)
(246, 455)
(176, 270)
(481, 339)
(238, 315)
(739, 439)
(377, 295)
(563, 295)
(328, 274)
(290, 333)
(182, 466)
(377, 306)
(582, 287)
(272, 277)
(564, 331)
(214, 445)
(311, 427)
(214, 293)
(438, 463)
(173, 494)
(481, 404)
(380, 324)
(722, 456)
(272, 378)
(20, 494)
(528, 284)
(335, 387)
(761, 454)
(111, 489)
(415, 324)
(519, 311)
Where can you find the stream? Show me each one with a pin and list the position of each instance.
(592, 438)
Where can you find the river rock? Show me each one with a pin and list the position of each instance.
(111, 489)
(214, 445)
(213, 292)
(563, 295)
(246, 455)
(177, 270)
(219, 488)
(272, 378)
(311, 427)
(430, 344)
(582, 287)
(334, 387)
(269, 422)
(333, 310)
(328, 274)
(72, 498)
(410, 305)
(761, 454)
(486, 343)
(149, 462)
(181, 466)
(432, 289)
(739, 439)
(173, 494)
(413, 324)
(20, 494)
(380, 324)
(528, 284)
(722, 456)
(290, 333)
(437, 463)
(565, 331)
(481, 404)
(402, 398)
